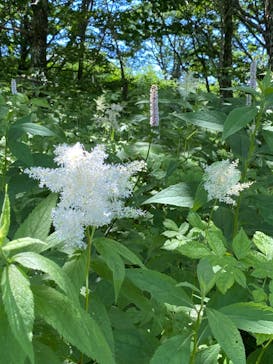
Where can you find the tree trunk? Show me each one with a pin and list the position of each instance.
(83, 22)
(226, 56)
(24, 43)
(39, 35)
(268, 35)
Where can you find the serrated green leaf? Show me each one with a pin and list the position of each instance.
(176, 195)
(224, 281)
(216, 240)
(238, 118)
(264, 243)
(74, 324)
(227, 335)
(251, 317)
(38, 262)
(170, 233)
(5, 218)
(34, 129)
(75, 268)
(208, 355)
(40, 102)
(195, 220)
(170, 225)
(11, 350)
(241, 245)
(206, 276)
(194, 250)
(99, 314)
(25, 244)
(21, 151)
(38, 223)
(207, 119)
(175, 350)
(18, 302)
(44, 354)
(162, 287)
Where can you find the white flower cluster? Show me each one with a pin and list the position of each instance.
(92, 192)
(222, 181)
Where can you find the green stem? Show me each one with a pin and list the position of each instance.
(196, 329)
(263, 351)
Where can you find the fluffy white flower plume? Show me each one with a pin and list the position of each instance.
(222, 181)
(92, 192)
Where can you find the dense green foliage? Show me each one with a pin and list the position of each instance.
(189, 281)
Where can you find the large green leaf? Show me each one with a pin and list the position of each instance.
(34, 129)
(251, 317)
(241, 245)
(75, 268)
(38, 262)
(264, 243)
(18, 302)
(162, 287)
(44, 354)
(11, 350)
(115, 263)
(21, 151)
(268, 136)
(176, 195)
(134, 346)
(37, 224)
(227, 335)
(73, 323)
(206, 276)
(100, 315)
(208, 355)
(175, 350)
(207, 119)
(238, 118)
(120, 249)
(25, 244)
(216, 240)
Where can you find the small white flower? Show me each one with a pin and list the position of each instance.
(84, 290)
(222, 181)
(92, 192)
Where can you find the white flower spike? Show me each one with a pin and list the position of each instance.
(92, 192)
(222, 181)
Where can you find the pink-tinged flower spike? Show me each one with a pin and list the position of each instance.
(222, 181)
(154, 116)
(13, 86)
